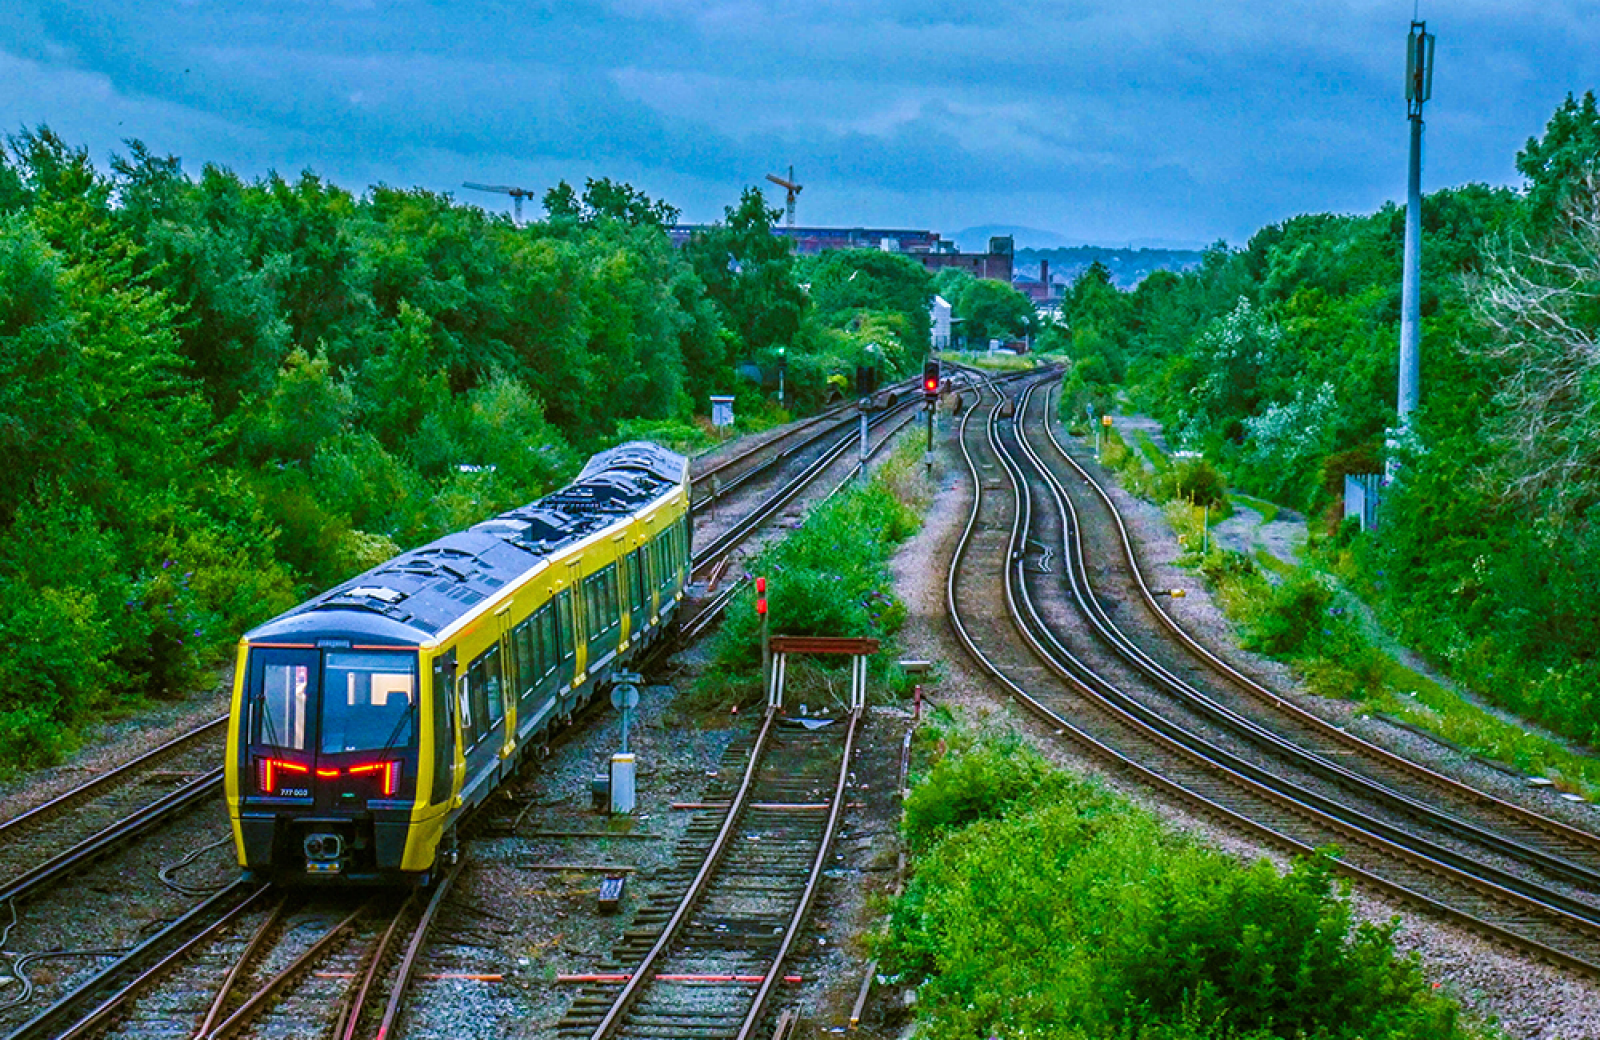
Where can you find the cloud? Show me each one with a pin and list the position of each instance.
(1210, 115)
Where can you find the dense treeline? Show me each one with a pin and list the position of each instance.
(218, 395)
(1279, 362)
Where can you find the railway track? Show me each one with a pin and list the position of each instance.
(1015, 621)
(257, 960)
(40, 847)
(705, 956)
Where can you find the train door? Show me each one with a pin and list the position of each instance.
(575, 612)
(634, 591)
(482, 707)
(447, 764)
(619, 582)
(508, 683)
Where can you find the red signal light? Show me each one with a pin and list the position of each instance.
(761, 595)
(930, 386)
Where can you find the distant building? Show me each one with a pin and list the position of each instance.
(995, 264)
(939, 317)
(927, 246)
(1041, 290)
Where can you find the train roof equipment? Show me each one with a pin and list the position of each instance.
(416, 595)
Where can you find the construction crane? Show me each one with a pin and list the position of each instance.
(788, 186)
(517, 194)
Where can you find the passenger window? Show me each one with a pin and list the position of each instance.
(527, 660)
(549, 648)
(564, 624)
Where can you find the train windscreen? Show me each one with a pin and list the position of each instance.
(369, 701)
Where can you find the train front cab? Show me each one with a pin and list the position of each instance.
(325, 762)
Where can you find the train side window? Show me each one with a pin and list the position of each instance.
(487, 700)
(564, 624)
(469, 731)
(522, 642)
(613, 604)
(478, 699)
(549, 648)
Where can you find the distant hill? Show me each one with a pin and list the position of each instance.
(976, 239)
(1128, 267)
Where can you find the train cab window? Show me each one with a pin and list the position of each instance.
(369, 701)
(282, 694)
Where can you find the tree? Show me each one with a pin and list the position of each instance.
(605, 199)
(1562, 160)
(1544, 308)
(993, 310)
(749, 272)
(845, 283)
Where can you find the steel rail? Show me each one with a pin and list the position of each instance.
(124, 830)
(104, 780)
(827, 414)
(1329, 812)
(68, 1019)
(813, 881)
(1108, 631)
(408, 964)
(1325, 728)
(691, 897)
(1209, 806)
(254, 1004)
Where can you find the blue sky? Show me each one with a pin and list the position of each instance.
(1104, 121)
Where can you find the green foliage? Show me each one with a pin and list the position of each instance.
(218, 395)
(992, 310)
(1066, 912)
(1277, 361)
(848, 283)
(829, 577)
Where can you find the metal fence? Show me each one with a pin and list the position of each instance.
(1362, 492)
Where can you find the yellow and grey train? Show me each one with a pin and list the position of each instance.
(367, 720)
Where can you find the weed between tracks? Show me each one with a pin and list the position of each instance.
(829, 577)
(1043, 905)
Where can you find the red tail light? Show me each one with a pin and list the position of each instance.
(267, 770)
(328, 774)
(390, 770)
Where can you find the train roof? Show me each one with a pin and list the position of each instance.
(418, 594)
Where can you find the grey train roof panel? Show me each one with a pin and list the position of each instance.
(420, 593)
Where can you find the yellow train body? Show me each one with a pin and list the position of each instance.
(366, 721)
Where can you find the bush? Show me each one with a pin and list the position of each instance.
(829, 577)
(1060, 911)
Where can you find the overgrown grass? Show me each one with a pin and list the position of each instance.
(1042, 905)
(828, 577)
(1269, 510)
(996, 361)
